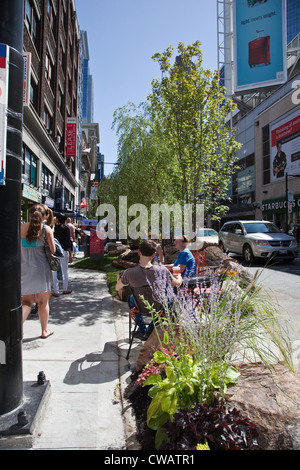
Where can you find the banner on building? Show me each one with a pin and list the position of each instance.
(94, 191)
(4, 59)
(27, 78)
(259, 43)
(285, 146)
(71, 134)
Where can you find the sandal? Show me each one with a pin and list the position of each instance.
(67, 291)
(55, 295)
(47, 336)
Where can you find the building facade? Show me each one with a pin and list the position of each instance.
(51, 51)
(266, 122)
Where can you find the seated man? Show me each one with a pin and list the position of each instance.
(144, 274)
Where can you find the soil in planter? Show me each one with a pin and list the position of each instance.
(138, 396)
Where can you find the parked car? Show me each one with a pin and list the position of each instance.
(208, 235)
(257, 239)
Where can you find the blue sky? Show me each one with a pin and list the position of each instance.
(122, 37)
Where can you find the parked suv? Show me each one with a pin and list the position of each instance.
(257, 239)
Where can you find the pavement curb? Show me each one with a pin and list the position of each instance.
(125, 370)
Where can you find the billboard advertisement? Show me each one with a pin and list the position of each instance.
(259, 43)
(285, 147)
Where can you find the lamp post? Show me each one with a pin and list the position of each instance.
(287, 198)
(11, 375)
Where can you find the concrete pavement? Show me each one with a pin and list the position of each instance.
(84, 361)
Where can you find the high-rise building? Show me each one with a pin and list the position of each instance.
(88, 86)
(293, 19)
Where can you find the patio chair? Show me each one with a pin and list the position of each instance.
(203, 290)
(139, 309)
(200, 276)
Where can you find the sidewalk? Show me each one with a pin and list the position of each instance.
(84, 361)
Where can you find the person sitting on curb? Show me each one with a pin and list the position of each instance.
(145, 273)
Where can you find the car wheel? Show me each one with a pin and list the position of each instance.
(248, 254)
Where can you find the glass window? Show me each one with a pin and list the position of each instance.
(34, 170)
(27, 165)
(31, 21)
(47, 180)
(30, 166)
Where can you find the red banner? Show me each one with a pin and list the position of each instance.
(96, 244)
(71, 132)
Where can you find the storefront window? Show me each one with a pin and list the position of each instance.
(47, 180)
(33, 170)
(30, 167)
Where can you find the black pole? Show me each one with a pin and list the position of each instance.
(11, 374)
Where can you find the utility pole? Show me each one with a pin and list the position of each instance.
(11, 374)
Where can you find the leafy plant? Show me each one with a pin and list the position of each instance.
(180, 388)
(218, 427)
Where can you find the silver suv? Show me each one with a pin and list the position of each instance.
(257, 239)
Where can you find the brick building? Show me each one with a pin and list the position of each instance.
(51, 99)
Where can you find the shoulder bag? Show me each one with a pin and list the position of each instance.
(53, 258)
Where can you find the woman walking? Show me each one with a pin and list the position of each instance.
(35, 269)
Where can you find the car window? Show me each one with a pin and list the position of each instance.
(238, 227)
(229, 228)
(210, 233)
(207, 232)
(261, 227)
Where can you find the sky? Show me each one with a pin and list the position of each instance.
(122, 37)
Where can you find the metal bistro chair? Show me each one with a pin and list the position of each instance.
(139, 308)
(200, 277)
(203, 290)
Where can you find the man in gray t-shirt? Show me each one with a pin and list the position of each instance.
(143, 275)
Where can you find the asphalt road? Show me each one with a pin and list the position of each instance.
(281, 282)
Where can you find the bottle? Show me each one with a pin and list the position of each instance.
(155, 263)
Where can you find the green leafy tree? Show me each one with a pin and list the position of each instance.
(176, 146)
(189, 113)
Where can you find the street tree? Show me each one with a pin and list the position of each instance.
(189, 112)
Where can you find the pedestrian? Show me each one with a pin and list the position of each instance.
(72, 231)
(48, 220)
(145, 274)
(62, 234)
(35, 269)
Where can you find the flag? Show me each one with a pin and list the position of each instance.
(84, 203)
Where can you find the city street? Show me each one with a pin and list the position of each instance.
(280, 282)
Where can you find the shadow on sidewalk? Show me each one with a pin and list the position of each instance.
(95, 367)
